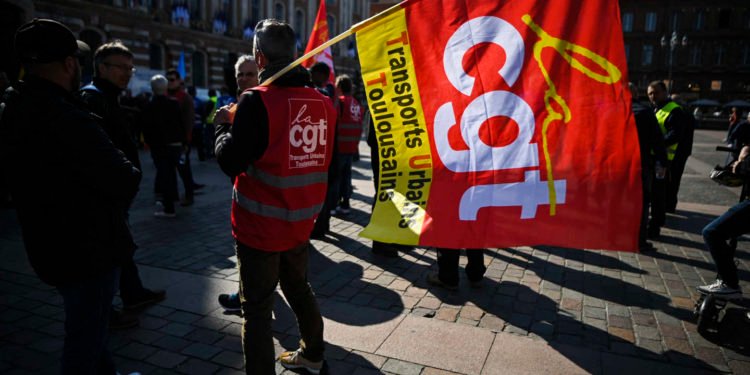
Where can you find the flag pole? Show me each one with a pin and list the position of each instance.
(352, 30)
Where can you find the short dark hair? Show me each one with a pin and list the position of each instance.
(114, 47)
(321, 67)
(344, 82)
(275, 40)
(660, 84)
(173, 72)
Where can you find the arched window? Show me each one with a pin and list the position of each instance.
(279, 11)
(700, 20)
(199, 69)
(156, 56)
(299, 25)
(94, 39)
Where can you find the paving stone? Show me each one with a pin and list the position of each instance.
(646, 332)
(622, 333)
(365, 360)
(136, 351)
(519, 355)
(177, 329)
(171, 343)
(166, 359)
(401, 368)
(197, 367)
(448, 314)
(229, 358)
(200, 350)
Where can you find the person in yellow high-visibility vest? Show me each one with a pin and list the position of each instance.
(676, 126)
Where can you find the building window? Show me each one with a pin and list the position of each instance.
(746, 20)
(700, 20)
(647, 57)
(195, 9)
(720, 51)
(331, 25)
(156, 56)
(142, 5)
(725, 18)
(695, 55)
(255, 12)
(199, 69)
(675, 21)
(746, 54)
(627, 53)
(650, 21)
(278, 11)
(299, 25)
(627, 22)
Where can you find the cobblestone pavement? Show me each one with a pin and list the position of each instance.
(540, 310)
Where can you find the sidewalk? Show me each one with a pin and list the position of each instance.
(541, 310)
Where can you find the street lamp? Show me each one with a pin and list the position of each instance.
(673, 43)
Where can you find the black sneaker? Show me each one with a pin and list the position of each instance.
(121, 320)
(145, 298)
(230, 302)
(434, 279)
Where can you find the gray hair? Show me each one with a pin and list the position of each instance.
(243, 59)
(159, 84)
(275, 40)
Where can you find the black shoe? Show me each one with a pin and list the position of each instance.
(646, 247)
(145, 298)
(230, 302)
(390, 253)
(434, 279)
(121, 320)
(653, 233)
(197, 187)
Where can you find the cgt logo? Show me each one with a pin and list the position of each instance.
(307, 133)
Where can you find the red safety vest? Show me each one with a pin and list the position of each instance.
(276, 201)
(350, 124)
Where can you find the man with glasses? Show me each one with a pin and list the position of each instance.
(113, 68)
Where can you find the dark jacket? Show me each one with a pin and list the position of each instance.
(162, 123)
(105, 103)
(649, 137)
(68, 181)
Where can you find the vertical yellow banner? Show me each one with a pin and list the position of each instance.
(405, 158)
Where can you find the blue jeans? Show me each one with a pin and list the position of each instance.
(87, 307)
(717, 233)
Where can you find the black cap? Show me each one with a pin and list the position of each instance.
(45, 40)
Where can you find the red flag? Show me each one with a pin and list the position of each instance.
(318, 36)
(502, 123)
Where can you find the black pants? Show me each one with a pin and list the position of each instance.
(186, 174)
(166, 159)
(448, 265)
(676, 168)
(658, 202)
(260, 271)
(647, 176)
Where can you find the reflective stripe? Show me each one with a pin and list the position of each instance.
(345, 138)
(289, 181)
(350, 126)
(280, 213)
(661, 117)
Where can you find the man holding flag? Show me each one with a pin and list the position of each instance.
(278, 152)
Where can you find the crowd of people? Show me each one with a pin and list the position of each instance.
(81, 143)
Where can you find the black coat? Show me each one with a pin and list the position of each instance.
(69, 183)
(162, 122)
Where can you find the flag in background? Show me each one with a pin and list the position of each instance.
(502, 124)
(181, 66)
(318, 36)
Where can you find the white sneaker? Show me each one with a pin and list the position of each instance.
(720, 289)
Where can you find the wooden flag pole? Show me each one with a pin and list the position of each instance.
(352, 30)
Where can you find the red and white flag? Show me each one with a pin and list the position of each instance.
(318, 36)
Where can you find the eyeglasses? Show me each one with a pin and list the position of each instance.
(124, 67)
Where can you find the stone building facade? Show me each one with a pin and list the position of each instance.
(710, 56)
(208, 35)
